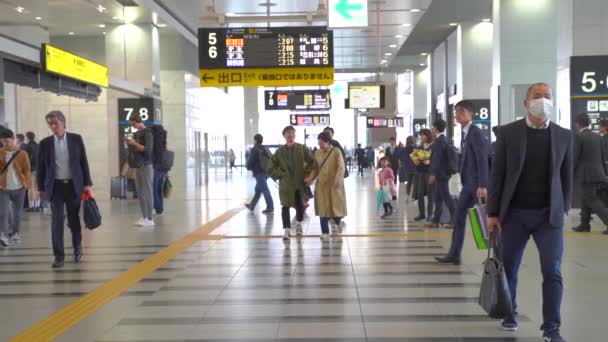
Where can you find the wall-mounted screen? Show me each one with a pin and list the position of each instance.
(365, 96)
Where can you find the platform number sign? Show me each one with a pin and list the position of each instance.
(483, 117)
(589, 88)
(419, 125)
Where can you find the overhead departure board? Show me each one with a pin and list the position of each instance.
(70, 65)
(589, 88)
(309, 120)
(313, 99)
(243, 56)
(384, 122)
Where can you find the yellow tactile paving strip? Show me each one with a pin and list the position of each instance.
(64, 319)
(67, 317)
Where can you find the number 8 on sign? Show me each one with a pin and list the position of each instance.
(484, 114)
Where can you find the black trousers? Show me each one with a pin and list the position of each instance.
(285, 215)
(590, 202)
(64, 199)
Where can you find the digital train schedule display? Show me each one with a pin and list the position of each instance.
(313, 99)
(273, 47)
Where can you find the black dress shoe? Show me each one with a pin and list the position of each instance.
(582, 229)
(419, 218)
(58, 263)
(448, 260)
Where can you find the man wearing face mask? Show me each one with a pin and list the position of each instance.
(530, 192)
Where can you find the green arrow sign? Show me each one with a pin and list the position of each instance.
(344, 8)
(347, 13)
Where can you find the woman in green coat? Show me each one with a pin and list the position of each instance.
(290, 165)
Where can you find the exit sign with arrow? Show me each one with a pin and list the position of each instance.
(347, 13)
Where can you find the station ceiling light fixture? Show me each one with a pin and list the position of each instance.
(422, 64)
(38, 18)
(486, 20)
(19, 9)
(115, 17)
(229, 14)
(399, 36)
(388, 54)
(424, 54)
(453, 24)
(408, 70)
(406, 25)
(101, 25)
(393, 46)
(71, 33)
(101, 9)
(162, 25)
(383, 61)
(104, 33)
(415, 10)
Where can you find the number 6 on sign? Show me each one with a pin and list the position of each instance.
(212, 42)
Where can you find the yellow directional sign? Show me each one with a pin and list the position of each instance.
(67, 64)
(274, 77)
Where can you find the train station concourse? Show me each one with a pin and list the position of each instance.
(303, 170)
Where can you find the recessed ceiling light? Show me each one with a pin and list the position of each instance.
(453, 24)
(422, 64)
(38, 18)
(104, 33)
(408, 70)
(71, 33)
(486, 20)
(101, 9)
(101, 25)
(162, 25)
(393, 46)
(415, 10)
(229, 14)
(399, 36)
(115, 18)
(388, 54)
(424, 54)
(383, 61)
(407, 25)
(20, 9)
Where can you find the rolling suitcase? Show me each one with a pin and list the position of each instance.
(118, 187)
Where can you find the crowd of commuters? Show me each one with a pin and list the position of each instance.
(525, 179)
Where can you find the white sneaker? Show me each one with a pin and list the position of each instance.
(4, 240)
(287, 234)
(324, 237)
(299, 231)
(140, 222)
(16, 239)
(148, 223)
(342, 225)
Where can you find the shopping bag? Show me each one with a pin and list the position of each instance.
(388, 196)
(380, 200)
(479, 218)
(167, 188)
(494, 294)
(90, 211)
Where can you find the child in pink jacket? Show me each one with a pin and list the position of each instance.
(386, 177)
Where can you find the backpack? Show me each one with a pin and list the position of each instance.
(159, 143)
(264, 156)
(452, 159)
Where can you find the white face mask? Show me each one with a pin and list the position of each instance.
(541, 108)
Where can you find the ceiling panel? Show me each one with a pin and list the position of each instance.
(253, 6)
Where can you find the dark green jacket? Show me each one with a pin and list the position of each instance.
(279, 170)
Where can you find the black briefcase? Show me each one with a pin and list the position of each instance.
(494, 294)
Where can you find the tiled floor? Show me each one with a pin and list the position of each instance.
(377, 281)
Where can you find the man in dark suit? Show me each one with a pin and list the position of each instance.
(473, 176)
(589, 172)
(439, 176)
(529, 194)
(63, 176)
(392, 153)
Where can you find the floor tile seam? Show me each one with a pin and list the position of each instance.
(292, 278)
(357, 291)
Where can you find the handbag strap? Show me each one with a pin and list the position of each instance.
(493, 246)
(324, 161)
(10, 161)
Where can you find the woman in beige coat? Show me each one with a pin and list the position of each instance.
(330, 197)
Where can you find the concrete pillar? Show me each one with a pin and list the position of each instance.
(252, 115)
(421, 89)
(2, 110)
(525, 51)
(475, 60)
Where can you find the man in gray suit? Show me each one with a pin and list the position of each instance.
(589, 172)
(529, 194)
